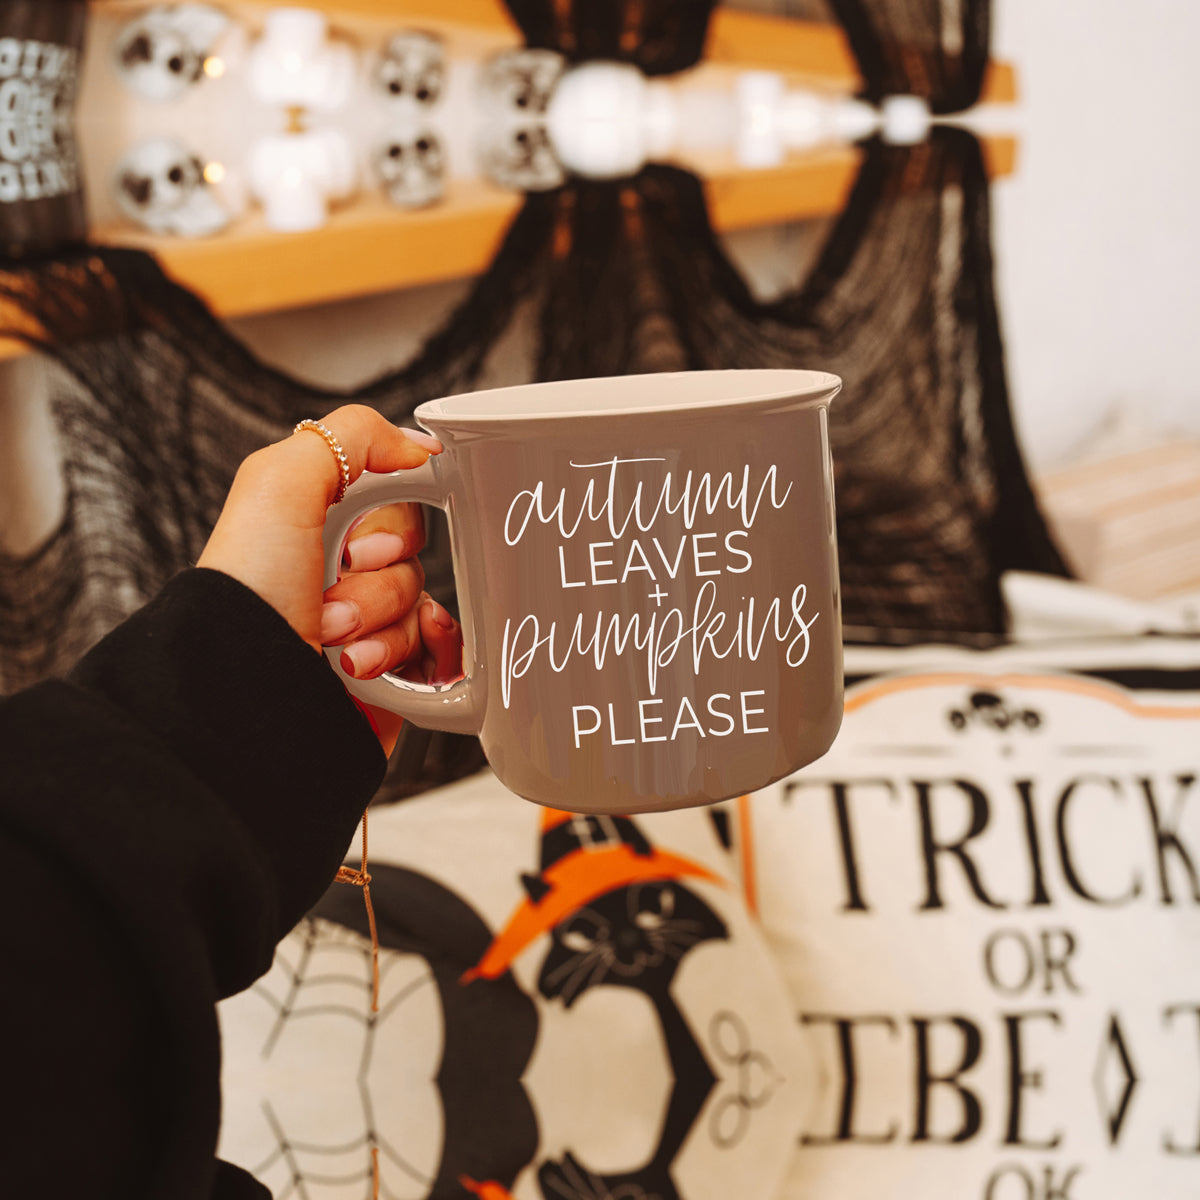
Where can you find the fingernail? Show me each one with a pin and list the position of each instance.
(425, 440)
(339, 619)
(364, 658)
(440, 615)
(375, 550)
(350, 533)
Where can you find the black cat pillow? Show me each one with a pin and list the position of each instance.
(571, 1008)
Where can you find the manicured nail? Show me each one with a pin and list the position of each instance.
(375, 550)
(425, 440)
(364, 658)
(339, 619)
(349, 532)
(440, 616)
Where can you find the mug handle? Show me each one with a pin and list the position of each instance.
(455, 709)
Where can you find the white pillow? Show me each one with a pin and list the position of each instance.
(986, 903)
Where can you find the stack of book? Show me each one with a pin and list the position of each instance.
(1129, 520)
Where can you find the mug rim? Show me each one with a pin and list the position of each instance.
(688, 391)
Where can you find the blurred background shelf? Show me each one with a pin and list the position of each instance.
(370, 248)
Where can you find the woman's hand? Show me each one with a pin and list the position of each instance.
(381, 578)
(269, 536)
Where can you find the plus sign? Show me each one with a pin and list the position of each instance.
(658, 595)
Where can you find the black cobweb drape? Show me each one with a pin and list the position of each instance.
(936, 49)
(156, 403)
(933, 500)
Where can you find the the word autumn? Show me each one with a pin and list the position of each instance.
(599, 504)
(619, 514)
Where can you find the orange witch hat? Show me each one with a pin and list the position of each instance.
(487, 1190)
(582, 857)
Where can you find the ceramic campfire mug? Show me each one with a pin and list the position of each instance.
(647, 580)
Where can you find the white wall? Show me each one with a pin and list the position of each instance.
(1097, 235)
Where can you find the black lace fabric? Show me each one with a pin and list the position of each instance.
(935, 49)
(661, 37)
(156, 402)
(933, 499)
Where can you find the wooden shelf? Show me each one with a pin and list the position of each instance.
(371, 248)
(365, 249)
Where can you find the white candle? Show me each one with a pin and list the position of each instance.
(295, 176)
(295, 63)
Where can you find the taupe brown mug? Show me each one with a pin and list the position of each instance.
(647, 579)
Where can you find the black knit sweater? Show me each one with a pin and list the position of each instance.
(166, 815)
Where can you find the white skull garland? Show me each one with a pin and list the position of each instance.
(515, 150)
(160, 53)
(160, 185)
(412, 169)
(413, 68)
(410, 158)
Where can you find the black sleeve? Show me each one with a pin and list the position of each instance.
(166, 815)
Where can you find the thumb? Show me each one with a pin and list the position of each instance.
(369, 443)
